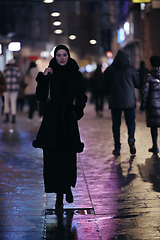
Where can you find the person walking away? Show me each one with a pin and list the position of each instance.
(142, 72)
(98, 94)
(151, 101)
(31, 88)
(3, 88)
(58, 135)
(12, 77)
(119, 81)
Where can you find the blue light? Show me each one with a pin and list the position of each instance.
(120, 35)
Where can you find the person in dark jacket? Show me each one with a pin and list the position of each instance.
(119, 81)
(151, 101)
(98, 94)
(142, 73)
(58, 135)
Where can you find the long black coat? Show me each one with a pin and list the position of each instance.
(58, 135)
(151, 99)
(119, 81)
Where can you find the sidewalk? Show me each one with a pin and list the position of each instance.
(115, 197)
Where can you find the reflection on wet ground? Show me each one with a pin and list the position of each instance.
(59, 225)
(115, 197)
(62, 224)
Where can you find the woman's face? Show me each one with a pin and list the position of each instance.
(62, 57)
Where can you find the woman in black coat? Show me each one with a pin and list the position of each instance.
(58, 135)
(151, 101)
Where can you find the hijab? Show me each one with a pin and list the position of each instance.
(61, 47)
(70, 66)
(62, 74)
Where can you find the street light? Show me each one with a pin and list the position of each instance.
(72, 37)
(57, 23)
(14, 46)
(58, 31)
(93, 41)
(48, 1)
(55, 13)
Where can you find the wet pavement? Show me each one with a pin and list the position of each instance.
(115, 197)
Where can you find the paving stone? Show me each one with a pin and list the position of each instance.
(115, 197)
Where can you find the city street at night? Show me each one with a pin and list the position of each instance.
(114, 198)
(53, 55)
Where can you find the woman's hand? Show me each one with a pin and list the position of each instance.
(48, 70)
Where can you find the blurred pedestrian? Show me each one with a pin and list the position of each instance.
(98, 94)
(120, 79)
(3, 88)
(58, 135)
(12, 77)
(31, 88)
(21, 95)
(151, 101)
(142, 72)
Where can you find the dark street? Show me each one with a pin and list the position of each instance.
(115, 197)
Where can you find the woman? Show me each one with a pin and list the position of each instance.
(151, 101)
(31, 88)
(143, 71)
(58, 135)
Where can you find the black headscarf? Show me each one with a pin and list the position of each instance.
(62, 75)
(71, 65)
(61, 47)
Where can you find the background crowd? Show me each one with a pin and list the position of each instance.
(114, 86)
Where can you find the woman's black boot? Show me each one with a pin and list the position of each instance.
(154, 149)
(69, 196)
(59, 201)
(154, 135)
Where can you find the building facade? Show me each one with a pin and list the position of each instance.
(83, 26)
(138, 32)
